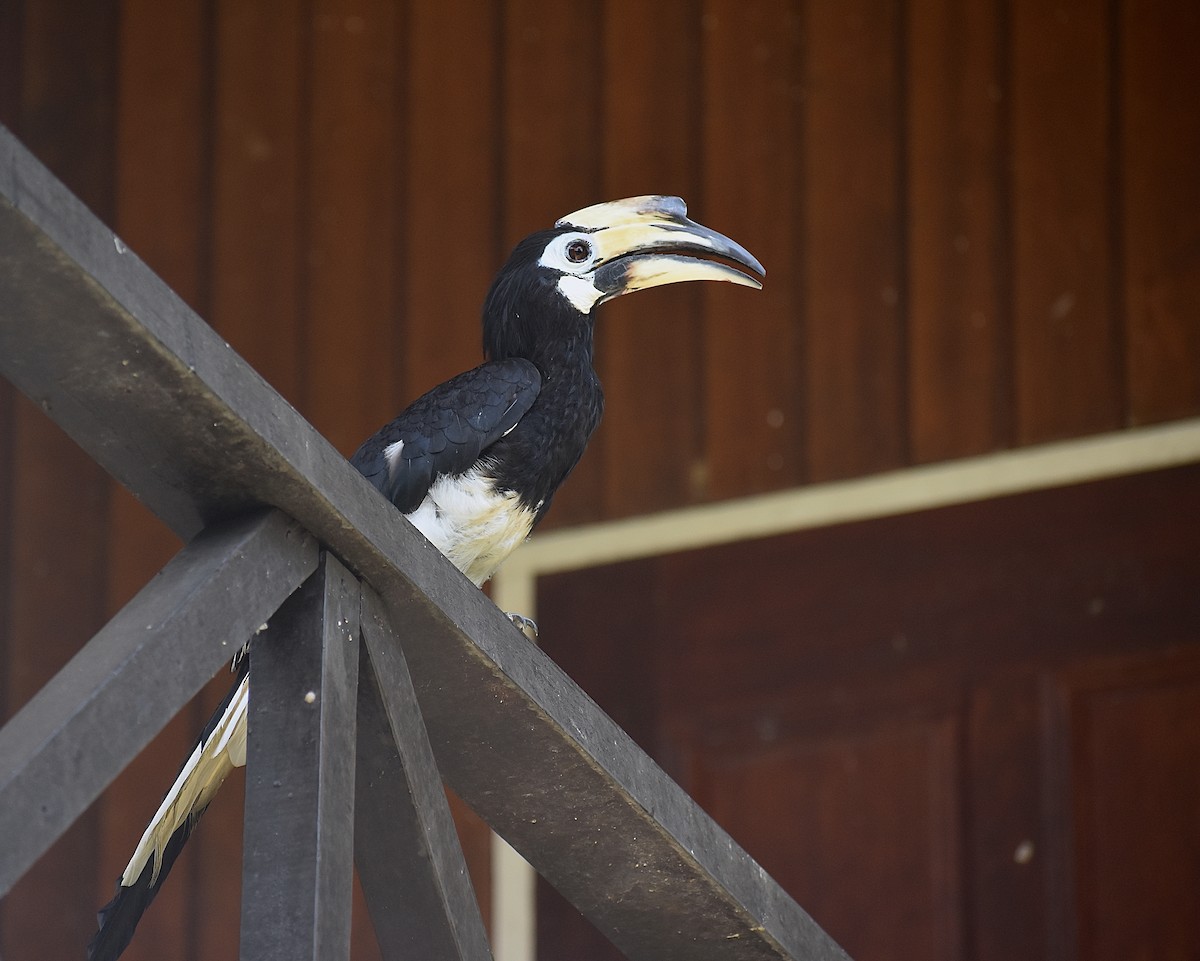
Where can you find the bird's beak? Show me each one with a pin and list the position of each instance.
(645, 242)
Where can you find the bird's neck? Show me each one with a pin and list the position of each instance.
(548, 442)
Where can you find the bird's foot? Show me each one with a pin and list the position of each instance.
(524, 624)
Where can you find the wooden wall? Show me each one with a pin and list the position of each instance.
(979, 220)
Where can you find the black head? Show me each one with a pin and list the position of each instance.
(554, 279)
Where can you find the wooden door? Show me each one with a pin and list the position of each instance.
(972, 732)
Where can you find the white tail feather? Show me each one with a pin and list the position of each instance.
(204, 772)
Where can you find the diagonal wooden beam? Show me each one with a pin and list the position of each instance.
(407, 850)
(68, 743)
(169, 409)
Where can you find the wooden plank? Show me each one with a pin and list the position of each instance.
(1006, 831)
(406, 849)
(1068, 347)
(959, 324)
(649, 347)
(452, 185)
(552, 166)
(349, 194)
(876, 851)
(1134, 743)
(298, 867)
(855, 297)
(1160, 206)
(753, 100)
(64, 746)
(258, 231)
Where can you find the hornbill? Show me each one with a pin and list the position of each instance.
(475, 462)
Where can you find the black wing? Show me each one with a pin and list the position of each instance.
(446, 430)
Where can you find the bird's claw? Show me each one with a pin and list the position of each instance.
(524, 624)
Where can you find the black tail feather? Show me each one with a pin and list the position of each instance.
(119, 918)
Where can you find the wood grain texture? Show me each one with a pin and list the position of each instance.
(875, 853)
(1159, 201)
(959, 324)
(453, 120)
(1068, 374)
(350, 277)
(855, 288)
(258, 231)
(755, 346)
(1133, 745)
(649, 346)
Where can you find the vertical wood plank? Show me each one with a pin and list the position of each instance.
(752, 102)
(452, 109)
(960, 361)
(1068, 351)
(350, 263)
(1160, 206)
(61, 104)
(1005, 825)
(551, 158)
(854, 282)
(298, 870)
(649, 351)
(258, 227)
(162, 140)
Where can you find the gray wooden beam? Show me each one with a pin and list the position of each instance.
(65, 746)
(162, 402)
(407, 850)
(298, 869)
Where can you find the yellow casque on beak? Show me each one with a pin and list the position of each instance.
(643, 242)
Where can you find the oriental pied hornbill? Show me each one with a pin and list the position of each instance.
(474, 463)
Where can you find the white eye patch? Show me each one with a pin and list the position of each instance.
(573, 253)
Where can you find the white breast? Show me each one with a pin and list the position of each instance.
(472, 524)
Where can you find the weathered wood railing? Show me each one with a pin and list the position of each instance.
(280, 527)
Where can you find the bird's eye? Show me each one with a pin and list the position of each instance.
(578, 251)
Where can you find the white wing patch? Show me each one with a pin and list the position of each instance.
(473, 525)
(391, 454)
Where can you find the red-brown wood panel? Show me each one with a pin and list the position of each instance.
(350, 268)
(754, 96)
(649, 345)
(259, 131)
(1160, 209)
(1008, 836)
(1135, 784)
(552, 157)
(1068, 350)
(452, 242)
(960, 360)
(854, 285)
(860, 826)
